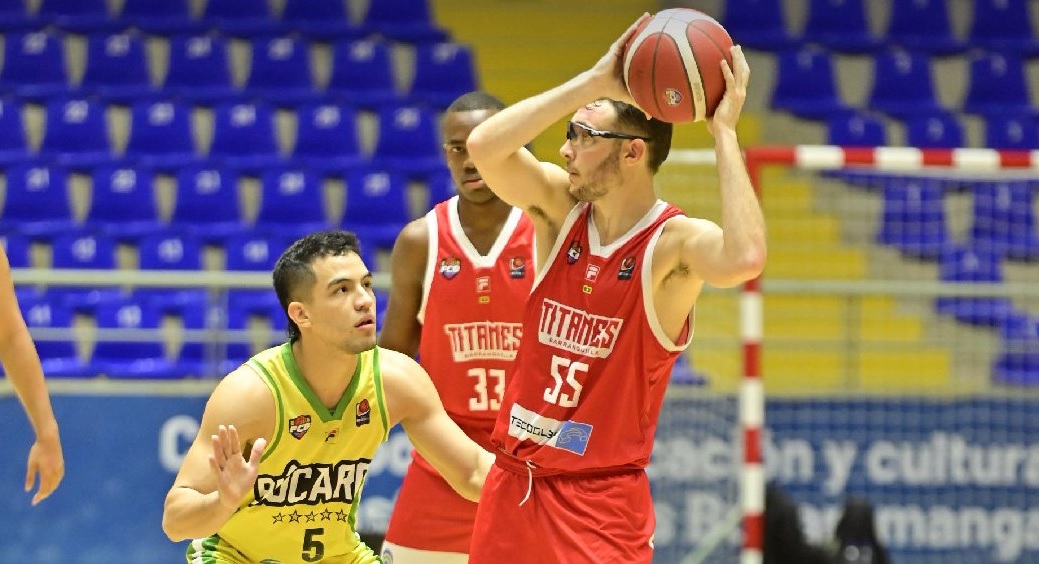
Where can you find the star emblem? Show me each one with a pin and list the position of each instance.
(310, 517)
(340, 515)
(294, 516)
(279, 518)
(326, 515)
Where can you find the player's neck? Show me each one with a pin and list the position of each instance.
(617, 212)
(483, 222)
(326, 370)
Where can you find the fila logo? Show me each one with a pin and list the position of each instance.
(592, 273)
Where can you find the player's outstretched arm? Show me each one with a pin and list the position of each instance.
(402, 330)
(220, 467)
(22, 366)
(413, 402)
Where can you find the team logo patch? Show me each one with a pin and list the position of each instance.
(574, 252)
(627, 268)
(450, 267)
(518, 267)
(364, 413)
(672, 97)
(573, 437)
(299, 425)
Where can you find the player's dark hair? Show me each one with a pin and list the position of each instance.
(294, 273)
(475, 100)
(632, 120)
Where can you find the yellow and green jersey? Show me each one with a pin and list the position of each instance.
(304, 503)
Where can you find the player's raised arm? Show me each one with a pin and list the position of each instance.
(402, 329)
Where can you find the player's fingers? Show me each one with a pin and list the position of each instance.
(623, 39)
(741, 69)
(225, 441)
(219, 456)
(48, 483)
(232, 439)
(257, 452)
(30, 476)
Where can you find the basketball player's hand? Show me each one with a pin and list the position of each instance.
(736, 77)
(235, 475)
(47, 462)
(610, 68)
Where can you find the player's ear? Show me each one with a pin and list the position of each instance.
(298, 314)
(635, 152)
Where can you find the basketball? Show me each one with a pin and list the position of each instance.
(672, 65)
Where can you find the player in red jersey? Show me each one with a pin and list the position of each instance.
(610, 311)
(461, 275)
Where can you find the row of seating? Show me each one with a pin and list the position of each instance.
(401, 20)
(362, 72)
(938, 130)
(1002, 25)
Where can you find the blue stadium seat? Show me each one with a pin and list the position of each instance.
(15, 17)
(441, 187)
(123, 203)
(58, 357)
(14, 147)
(363, 74)
(996, 84)
(805, 84)
(131, 359)
(902, 84)
(165, 18)
(1004, 219)
(239, 18)
(170, 250)
(941, 130)
(280, 71)
(161, 135)
(856, 129)
(1018, 361)
(256, 252)
(841, 26)
(757, 24)
(243, 136)
(324, 20)
(34, 65)
(975, 265)
(199, 70)
(409, 21)
(37, 201)
(408, 141)
(443, 72)
(18, 250)
(116, 67)
(923, 25)
(76, 135)
(206, 204)
(1011, 131)
(77, 16)
(78, 249)
(913, 217)
(292, 202)
(326, 138)
(376, 207)
(1003, 25)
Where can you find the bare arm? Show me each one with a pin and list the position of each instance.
(414, 403)
(22, 366)
(402, 329)
(221, 465)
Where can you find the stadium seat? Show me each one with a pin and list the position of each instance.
(408, 141)
(1003, 25)
(324, 20)
(206, 203)
(166, 18)
(856, 129)
(974, 265)
(940, 130)
(199, 70)
(805, 84)
(409, 21)
(15, 17)
(923, 25)
(443, 72)
(116, 67)
(18, 250)
(59, 357)
(758, 24)
(161, 135)
(123, 204)
(440, 187)
(131, 358)
(1018, 361)
(996, 84)
(243, 136)
(280, 71)
(1011, 131)
(34, 65)
(77, 16)
(363, 74)
(326, 138)
(256, 252)
(913, 217)
(78, 249)
(76, 135)
(376, 207)
(292, 202)
(841, 26)
(37, 202)
(14, 147)
(902, 84)
(1004, 219)
(239, 18)
(170, 250)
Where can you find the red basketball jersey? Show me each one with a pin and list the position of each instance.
(471, 315)
(594, 362)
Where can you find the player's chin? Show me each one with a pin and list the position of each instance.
(361, 343)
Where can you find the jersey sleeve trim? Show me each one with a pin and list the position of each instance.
(433, 231)
(379, 394)
(279, 407)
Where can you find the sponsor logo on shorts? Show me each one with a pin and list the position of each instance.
(299, 425)
(527, 425)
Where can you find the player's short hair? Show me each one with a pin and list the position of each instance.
(475, 100)
(632, 120)
(294, 273)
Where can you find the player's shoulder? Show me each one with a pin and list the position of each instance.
(681, 227)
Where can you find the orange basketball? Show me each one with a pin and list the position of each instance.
(672, 65)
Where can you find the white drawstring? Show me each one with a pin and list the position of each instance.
(530, 481)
